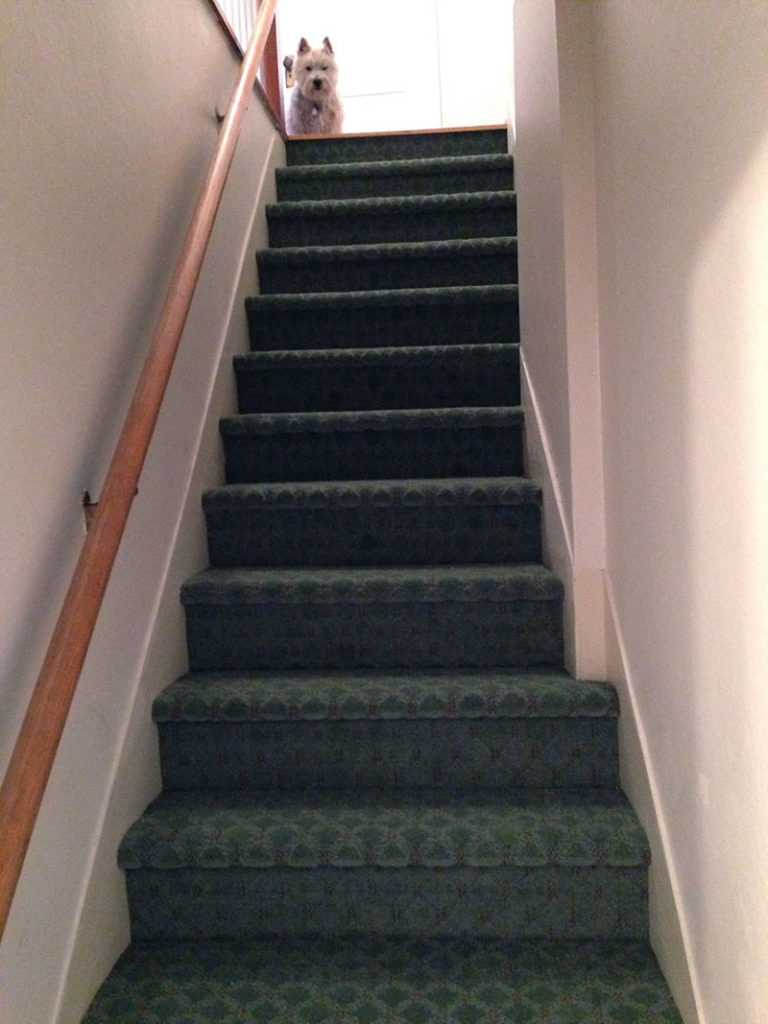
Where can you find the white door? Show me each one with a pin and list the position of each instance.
(388, 78)
(475, 48)
(408, 64)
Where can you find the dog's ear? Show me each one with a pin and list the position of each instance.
(304, 46)
(327, 45)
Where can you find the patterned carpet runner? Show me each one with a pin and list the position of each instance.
(384, 800)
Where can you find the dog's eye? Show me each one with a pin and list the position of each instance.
(309, 67)
(324, 67)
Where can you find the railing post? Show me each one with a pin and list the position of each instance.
(272, 74)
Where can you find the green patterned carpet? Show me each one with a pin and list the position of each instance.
(384, 800)
(370, 981)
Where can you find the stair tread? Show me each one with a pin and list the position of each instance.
(387, 829)
(375, 522)
(414, 493)
(318, 254)
(376, 206)
(356, 979)
(389, 168)
(318, 696)
(398, 220)
(531, 582)
(323, 317)
(452, 294)
(468, 417)
(365, 146)
(382, 356)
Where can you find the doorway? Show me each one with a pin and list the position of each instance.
(410, 64)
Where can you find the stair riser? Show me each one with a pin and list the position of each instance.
(429, 383)
(313, 325)
(299, 274)
(374, 454)
(407, 146)
(392, 226)
(510, 902)
(450, 634)
(459, 754)
(449, 535)
(371, 186)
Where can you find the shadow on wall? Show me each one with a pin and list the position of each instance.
(683, 159)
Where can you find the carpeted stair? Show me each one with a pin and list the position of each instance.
(384, 800)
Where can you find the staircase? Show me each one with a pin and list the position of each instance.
(384, 800)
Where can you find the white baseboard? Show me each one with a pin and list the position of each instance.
(669, 934)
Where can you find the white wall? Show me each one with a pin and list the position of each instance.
(674, 121)
(682, 158)
(554, 173)
(108, 127)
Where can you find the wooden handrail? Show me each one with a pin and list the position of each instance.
(35, 750)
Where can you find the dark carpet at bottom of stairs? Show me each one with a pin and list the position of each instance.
(359, 980)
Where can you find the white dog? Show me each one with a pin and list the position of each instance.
(315, 107)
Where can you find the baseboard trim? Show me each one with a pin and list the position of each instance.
(552, 481)
(669, 933)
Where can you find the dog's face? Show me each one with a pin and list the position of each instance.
(316, 73)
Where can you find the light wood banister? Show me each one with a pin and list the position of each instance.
(32, 759)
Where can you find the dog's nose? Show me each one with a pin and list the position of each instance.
(317, 82)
